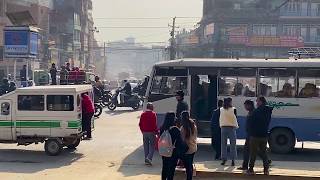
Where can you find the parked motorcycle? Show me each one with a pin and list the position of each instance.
(134, 101)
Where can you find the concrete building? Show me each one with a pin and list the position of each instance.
(73, 32)
(40, 12)
(257, 28)
(133, 58)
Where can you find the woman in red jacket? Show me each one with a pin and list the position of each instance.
(87, 113)
(148, 127)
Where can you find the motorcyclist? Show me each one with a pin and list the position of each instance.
(98, 84)
(126, 91)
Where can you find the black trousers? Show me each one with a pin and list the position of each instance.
(187, 160)
(86, 123)
(216, 142)
(246, 153)
(168, 167)
(256, 145)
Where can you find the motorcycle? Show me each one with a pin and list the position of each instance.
(106, 97)
(134, 101)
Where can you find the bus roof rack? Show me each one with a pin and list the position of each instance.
(309, 52)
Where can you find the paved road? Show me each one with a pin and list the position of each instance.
(114, 153)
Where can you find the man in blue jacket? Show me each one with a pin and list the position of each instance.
(258, 128)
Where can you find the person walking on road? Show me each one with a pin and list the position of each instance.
(169, 163)
(53, 73)
(216, 131)
(181, 106)
(229, 125)
(87, 114)
(258, 128)
(148, 127)
(189, 135)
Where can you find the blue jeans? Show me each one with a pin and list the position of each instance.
(228, 133)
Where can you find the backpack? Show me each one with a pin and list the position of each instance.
(165, 144)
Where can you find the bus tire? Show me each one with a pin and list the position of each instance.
(53, 147)
(282, 140)
(75, 144)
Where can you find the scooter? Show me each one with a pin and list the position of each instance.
(134, 101)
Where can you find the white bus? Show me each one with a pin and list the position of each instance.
(290, 86)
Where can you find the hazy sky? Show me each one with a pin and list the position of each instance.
(163, 9)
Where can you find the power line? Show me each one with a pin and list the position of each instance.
(133, 27)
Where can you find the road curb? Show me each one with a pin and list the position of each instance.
(235, 175)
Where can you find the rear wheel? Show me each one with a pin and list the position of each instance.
(53, 147)
(136, 106)
(112, 106)
(75, 144)
(282, 140)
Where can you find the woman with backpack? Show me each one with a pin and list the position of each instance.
(229, 125)
(170, 141)
(189, 135)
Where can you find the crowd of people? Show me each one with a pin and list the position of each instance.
(183, 135)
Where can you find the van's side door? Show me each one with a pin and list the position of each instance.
(6, 123)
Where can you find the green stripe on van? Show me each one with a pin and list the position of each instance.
(41, 124)
(6, 123)
(38, 124)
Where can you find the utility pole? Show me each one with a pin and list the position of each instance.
(104, 61)
(173, 43)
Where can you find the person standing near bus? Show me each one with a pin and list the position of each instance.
(181, 106)
(149, 129)
(87, 114)
(258, 129)
(229, 125)
(216, 131)
(189, 135)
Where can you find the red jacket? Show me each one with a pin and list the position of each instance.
(148, 122)
(87, 104)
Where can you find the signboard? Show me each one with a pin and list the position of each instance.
(275, 41)
(20, 42)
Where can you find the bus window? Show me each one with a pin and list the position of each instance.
(309, 83)
(5, 109)
(237, 82)
(277, 82)
(169, 85)
(60, 103)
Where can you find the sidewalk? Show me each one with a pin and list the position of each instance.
(279, 169)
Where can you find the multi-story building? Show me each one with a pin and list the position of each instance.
(73, 32)
(258, 28)
(133, 58)
(40, 12)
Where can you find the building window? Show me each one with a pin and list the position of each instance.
(294, 7)
(30, 103)
(264, 30)
(76, 35)
(60, 103)
(315, 34)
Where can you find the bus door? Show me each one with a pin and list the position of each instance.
(204, 97)
(6, 123)
(165, 82)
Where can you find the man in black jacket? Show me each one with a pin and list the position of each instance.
(216, 131)
(181, 106)
(258, 128)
